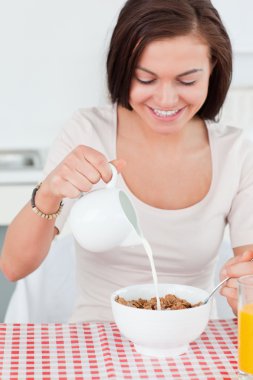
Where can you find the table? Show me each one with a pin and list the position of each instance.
(97, 351)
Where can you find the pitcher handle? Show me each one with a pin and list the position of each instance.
(113, 181)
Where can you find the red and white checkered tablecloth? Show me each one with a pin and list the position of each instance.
(97, 351)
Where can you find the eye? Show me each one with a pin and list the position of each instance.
(188, 83)
(145, 81)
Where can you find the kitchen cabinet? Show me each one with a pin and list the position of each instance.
(20, 171)
(12, 199)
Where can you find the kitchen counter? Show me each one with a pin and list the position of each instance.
(17, 182)
(12, 199)
(20, 177)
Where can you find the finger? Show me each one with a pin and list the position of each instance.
(229, 293)
(66, 189)
(79, 181)
(223, 271)
(74, 178)
(240, 269)
(92, 174)
(233, 303)
(79, 164)
(119, 164)
(234, 306)
(96, 159)
(85, 169)
(245, 257)
(232, 283)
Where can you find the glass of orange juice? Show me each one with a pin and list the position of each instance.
(245, 327)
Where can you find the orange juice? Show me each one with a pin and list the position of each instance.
(245, 339)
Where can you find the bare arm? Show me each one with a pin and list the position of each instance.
(29, 236)
(28, 239)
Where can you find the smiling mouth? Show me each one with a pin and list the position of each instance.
(165, 113)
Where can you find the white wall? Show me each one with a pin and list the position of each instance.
(53, 56)
(52, 61)
(237, 16)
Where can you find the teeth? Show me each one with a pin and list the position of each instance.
(164, 113)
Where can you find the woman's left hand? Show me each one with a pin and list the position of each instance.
(238, 266)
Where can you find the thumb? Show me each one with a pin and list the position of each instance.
(247, 256)
(243, 257)
(119, 164)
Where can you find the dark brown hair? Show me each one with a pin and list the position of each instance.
(143, 21)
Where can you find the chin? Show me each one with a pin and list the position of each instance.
(167, 129)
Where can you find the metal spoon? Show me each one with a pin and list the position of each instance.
(214, 290)
(217, 287)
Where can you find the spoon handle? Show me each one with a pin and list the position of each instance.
(214, 290)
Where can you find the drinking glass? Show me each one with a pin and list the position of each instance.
(245, 327)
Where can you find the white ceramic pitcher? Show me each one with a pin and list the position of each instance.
(105, 218)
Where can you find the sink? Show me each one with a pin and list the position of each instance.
(20, 160)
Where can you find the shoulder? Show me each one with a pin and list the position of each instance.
(87, 126)
(229, 139)
(103, 113)
(226, 132)
(85, 120)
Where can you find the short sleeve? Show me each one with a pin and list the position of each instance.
(240, 217)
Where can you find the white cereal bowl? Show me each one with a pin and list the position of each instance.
(161, 333)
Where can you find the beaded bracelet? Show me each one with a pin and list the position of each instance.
(38, 212)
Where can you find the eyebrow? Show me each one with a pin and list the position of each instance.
(179, 75)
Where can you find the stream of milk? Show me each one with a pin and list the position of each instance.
(149, 252)
(130, 213)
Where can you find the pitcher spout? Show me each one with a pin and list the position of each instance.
(132, 239)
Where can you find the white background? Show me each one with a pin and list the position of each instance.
(53, 58)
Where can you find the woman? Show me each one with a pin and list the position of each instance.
(169, 69)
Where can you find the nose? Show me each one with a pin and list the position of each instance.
(167, 95)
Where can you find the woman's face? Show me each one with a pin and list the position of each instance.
(170, 83)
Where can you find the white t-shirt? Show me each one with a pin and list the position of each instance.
(185, 242)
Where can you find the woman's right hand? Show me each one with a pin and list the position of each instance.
(77, 173)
